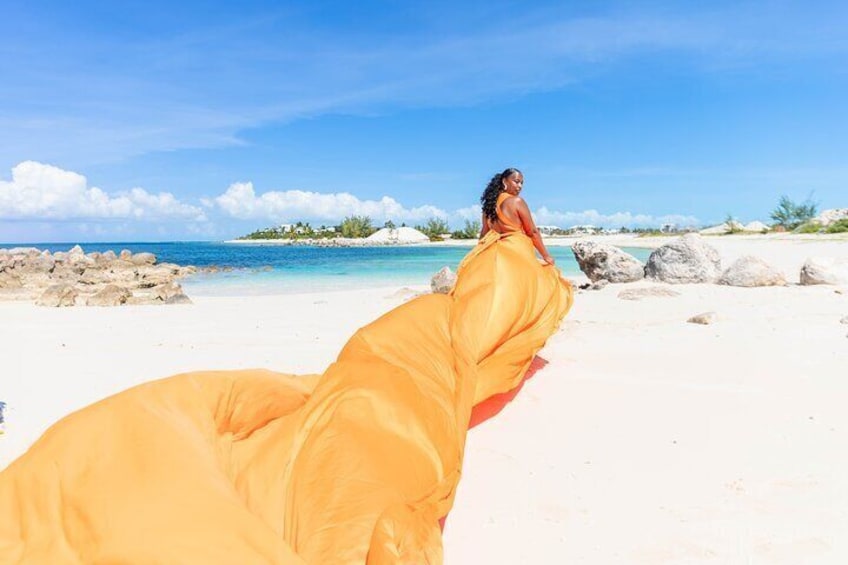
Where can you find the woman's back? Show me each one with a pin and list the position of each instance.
(507, 215)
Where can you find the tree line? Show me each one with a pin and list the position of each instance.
(362, 226)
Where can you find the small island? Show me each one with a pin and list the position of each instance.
(360, 230)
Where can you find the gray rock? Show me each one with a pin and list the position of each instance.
(94, 276)
(154, 277)
(647, 292)
(170, 293)
(38, 264)
(58, 295)
(704, 319)
(143, 258)
(685, 260)
(844, 320)
(825, 270)
(600, 261)
(443, 281)
(599, 284)
(750, 271)
(109, 295)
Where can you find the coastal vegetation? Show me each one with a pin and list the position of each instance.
(350, 227)
(435, 228)
(790, 215)
(356, 226)
(840, 226)
(471, 230)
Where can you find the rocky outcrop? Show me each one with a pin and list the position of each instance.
(600, 261)
(685, 260)
(443, 281)
(824, 270)
(828, 217)
(58, 295)
(60, 278)
(750, 271)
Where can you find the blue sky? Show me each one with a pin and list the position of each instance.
(153, 120)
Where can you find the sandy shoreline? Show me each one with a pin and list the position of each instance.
(644, 440)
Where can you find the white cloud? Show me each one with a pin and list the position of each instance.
(544, 216)
(241, 201)
(44, 191)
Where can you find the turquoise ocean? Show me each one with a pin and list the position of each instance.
(249, 269)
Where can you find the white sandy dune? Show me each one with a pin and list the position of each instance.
(645, 440)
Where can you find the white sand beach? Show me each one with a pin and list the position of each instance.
(646, 439)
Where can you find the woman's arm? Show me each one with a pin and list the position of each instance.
(485, 223)
(531, 230)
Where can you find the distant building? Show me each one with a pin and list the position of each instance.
(585, 229)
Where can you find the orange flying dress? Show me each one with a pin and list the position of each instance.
(354, 466)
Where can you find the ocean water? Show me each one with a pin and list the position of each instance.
(276, 269)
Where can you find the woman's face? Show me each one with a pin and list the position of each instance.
(514, 183)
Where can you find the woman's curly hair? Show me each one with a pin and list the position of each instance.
(490, 196)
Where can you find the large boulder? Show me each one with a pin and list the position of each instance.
(443, 281)
(143, 258)
(170, 293)
(831, 216)
(109, 295)
(825, 270)
(95, 276)
(58, 295)
(154, 277)
(600, 261)
(751, 271)
(685, 260)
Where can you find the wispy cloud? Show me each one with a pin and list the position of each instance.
(202, 87)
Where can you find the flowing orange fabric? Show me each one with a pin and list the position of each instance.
(353, 466)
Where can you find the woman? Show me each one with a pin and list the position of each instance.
(356, 465)
(504, 211)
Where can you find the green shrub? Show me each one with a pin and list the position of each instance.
(809, 227)
(356, 226)
(434, 228)
(840, 226)
(470, 231)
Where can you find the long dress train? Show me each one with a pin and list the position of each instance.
(356, 465)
